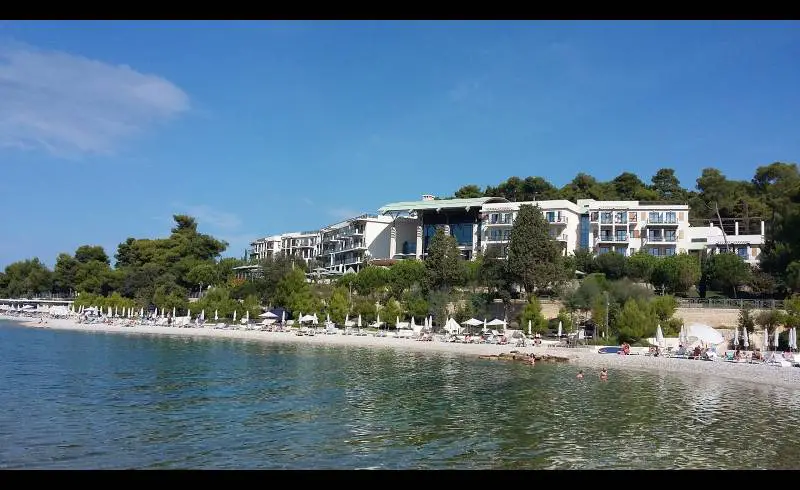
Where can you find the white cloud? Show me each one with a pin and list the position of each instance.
(71, 105)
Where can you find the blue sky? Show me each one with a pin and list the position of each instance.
(254, 128)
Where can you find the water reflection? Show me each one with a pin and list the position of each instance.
(76, 400)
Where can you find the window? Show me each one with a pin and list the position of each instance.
(669, 251)
(654, 251)
(670, 236)
(462, 232)
(620, 218)
(622, 236)
(606, 218)
(742, 252)
(655, 218)
(551, 216)
(671, 218)
(584, 231)
(603, 250)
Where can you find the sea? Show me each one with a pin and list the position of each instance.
(79, 400)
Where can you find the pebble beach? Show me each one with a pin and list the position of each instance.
(581, 357)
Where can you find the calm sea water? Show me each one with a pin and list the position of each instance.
(81, 400)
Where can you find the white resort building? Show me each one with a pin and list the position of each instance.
(347, 246)
(403, 230)
(714, 239)
(627, 227)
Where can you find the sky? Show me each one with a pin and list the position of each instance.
(107, 129)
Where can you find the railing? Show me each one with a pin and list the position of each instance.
(557, 220)
(611, 238)
(498, 238)
(730, 303)
(660, 220)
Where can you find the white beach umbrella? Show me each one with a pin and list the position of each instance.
(141, 311)
(378, 321)
(793, 336)
(316, 320)
(745, 339)
(327, 319)
(188, 313)
(485, 327)
(529, 327)
(736, 337)
(283, 316)
(109, 312)
(359, 320)
(560, 327)
(413, 323)
(216, 315)
(116, 312)
(659, 336)
(396, 321)
(203, 314)
(234, 315)
(766, 339)
(775, 340)
(246, 316)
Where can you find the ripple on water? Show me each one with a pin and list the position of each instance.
(78, 400)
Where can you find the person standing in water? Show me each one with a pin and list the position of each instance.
(580, 374)
(604, 375)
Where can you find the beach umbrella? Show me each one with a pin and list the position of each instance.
(396, 322)
(560, 327)
(359, 320)
(116, 311)
(327, 319)
(203, 314)
(378, 321)
(745, 339)
(736, 337)
(234, 315)
(529, 327)
(793, 338)
(216, 315)
(283, 316)
(766, 339)
(109, 311)
(188, 313)
(246, 316)
(775, 339)
(659, 336)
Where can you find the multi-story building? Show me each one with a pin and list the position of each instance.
(414, 223)
(497, 220)
(348, 245)
(715, 239)
(627, 227)
(303, 245)
(265, 248)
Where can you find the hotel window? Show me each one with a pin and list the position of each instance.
(671, 218)
(622, 236)
(669, 251)
(551, 216)
(742, 252)
(670, 236)
(655, 218)
(606, 236)
(603, 250)
(606, 218)
(654, 251)
(655, 236)
(593, 216)
(620, 218)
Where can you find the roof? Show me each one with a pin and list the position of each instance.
(439, 204)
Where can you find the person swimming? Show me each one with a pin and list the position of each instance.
(604, 375)
(580, 374)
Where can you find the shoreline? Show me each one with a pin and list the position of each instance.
(760, 375)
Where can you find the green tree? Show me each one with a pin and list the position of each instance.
(792, 316)
(64, 274)
(27, 278)
(727, 272)
(566, 320)
(89, 253)
(203, 274)
(371, 280)
(339, 306)
(640, 266)
(770, 319)
(534, 258)
(584, 261)
(443, 264)
(635, 322)
(404, 275)
(391, 311)
(676, 273)
(532, 312)
(611, 264)
(415, 305)
(469, 191)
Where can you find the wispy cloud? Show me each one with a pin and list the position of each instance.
(343, 213)
(69, 105)
(308, 201)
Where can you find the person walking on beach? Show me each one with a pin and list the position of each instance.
(580, 374)
(604, 375)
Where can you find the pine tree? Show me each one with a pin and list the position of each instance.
(534, 258)
(443, 263)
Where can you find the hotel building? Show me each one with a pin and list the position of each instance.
(627, 227)
(347, 246)
(714, 240)
(303, 245)
(265, 248)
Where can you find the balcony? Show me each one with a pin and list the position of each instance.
(659, 239)
(560, 238)
(556, 220)
(658, 219)
(497, 238)
(617, 238)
